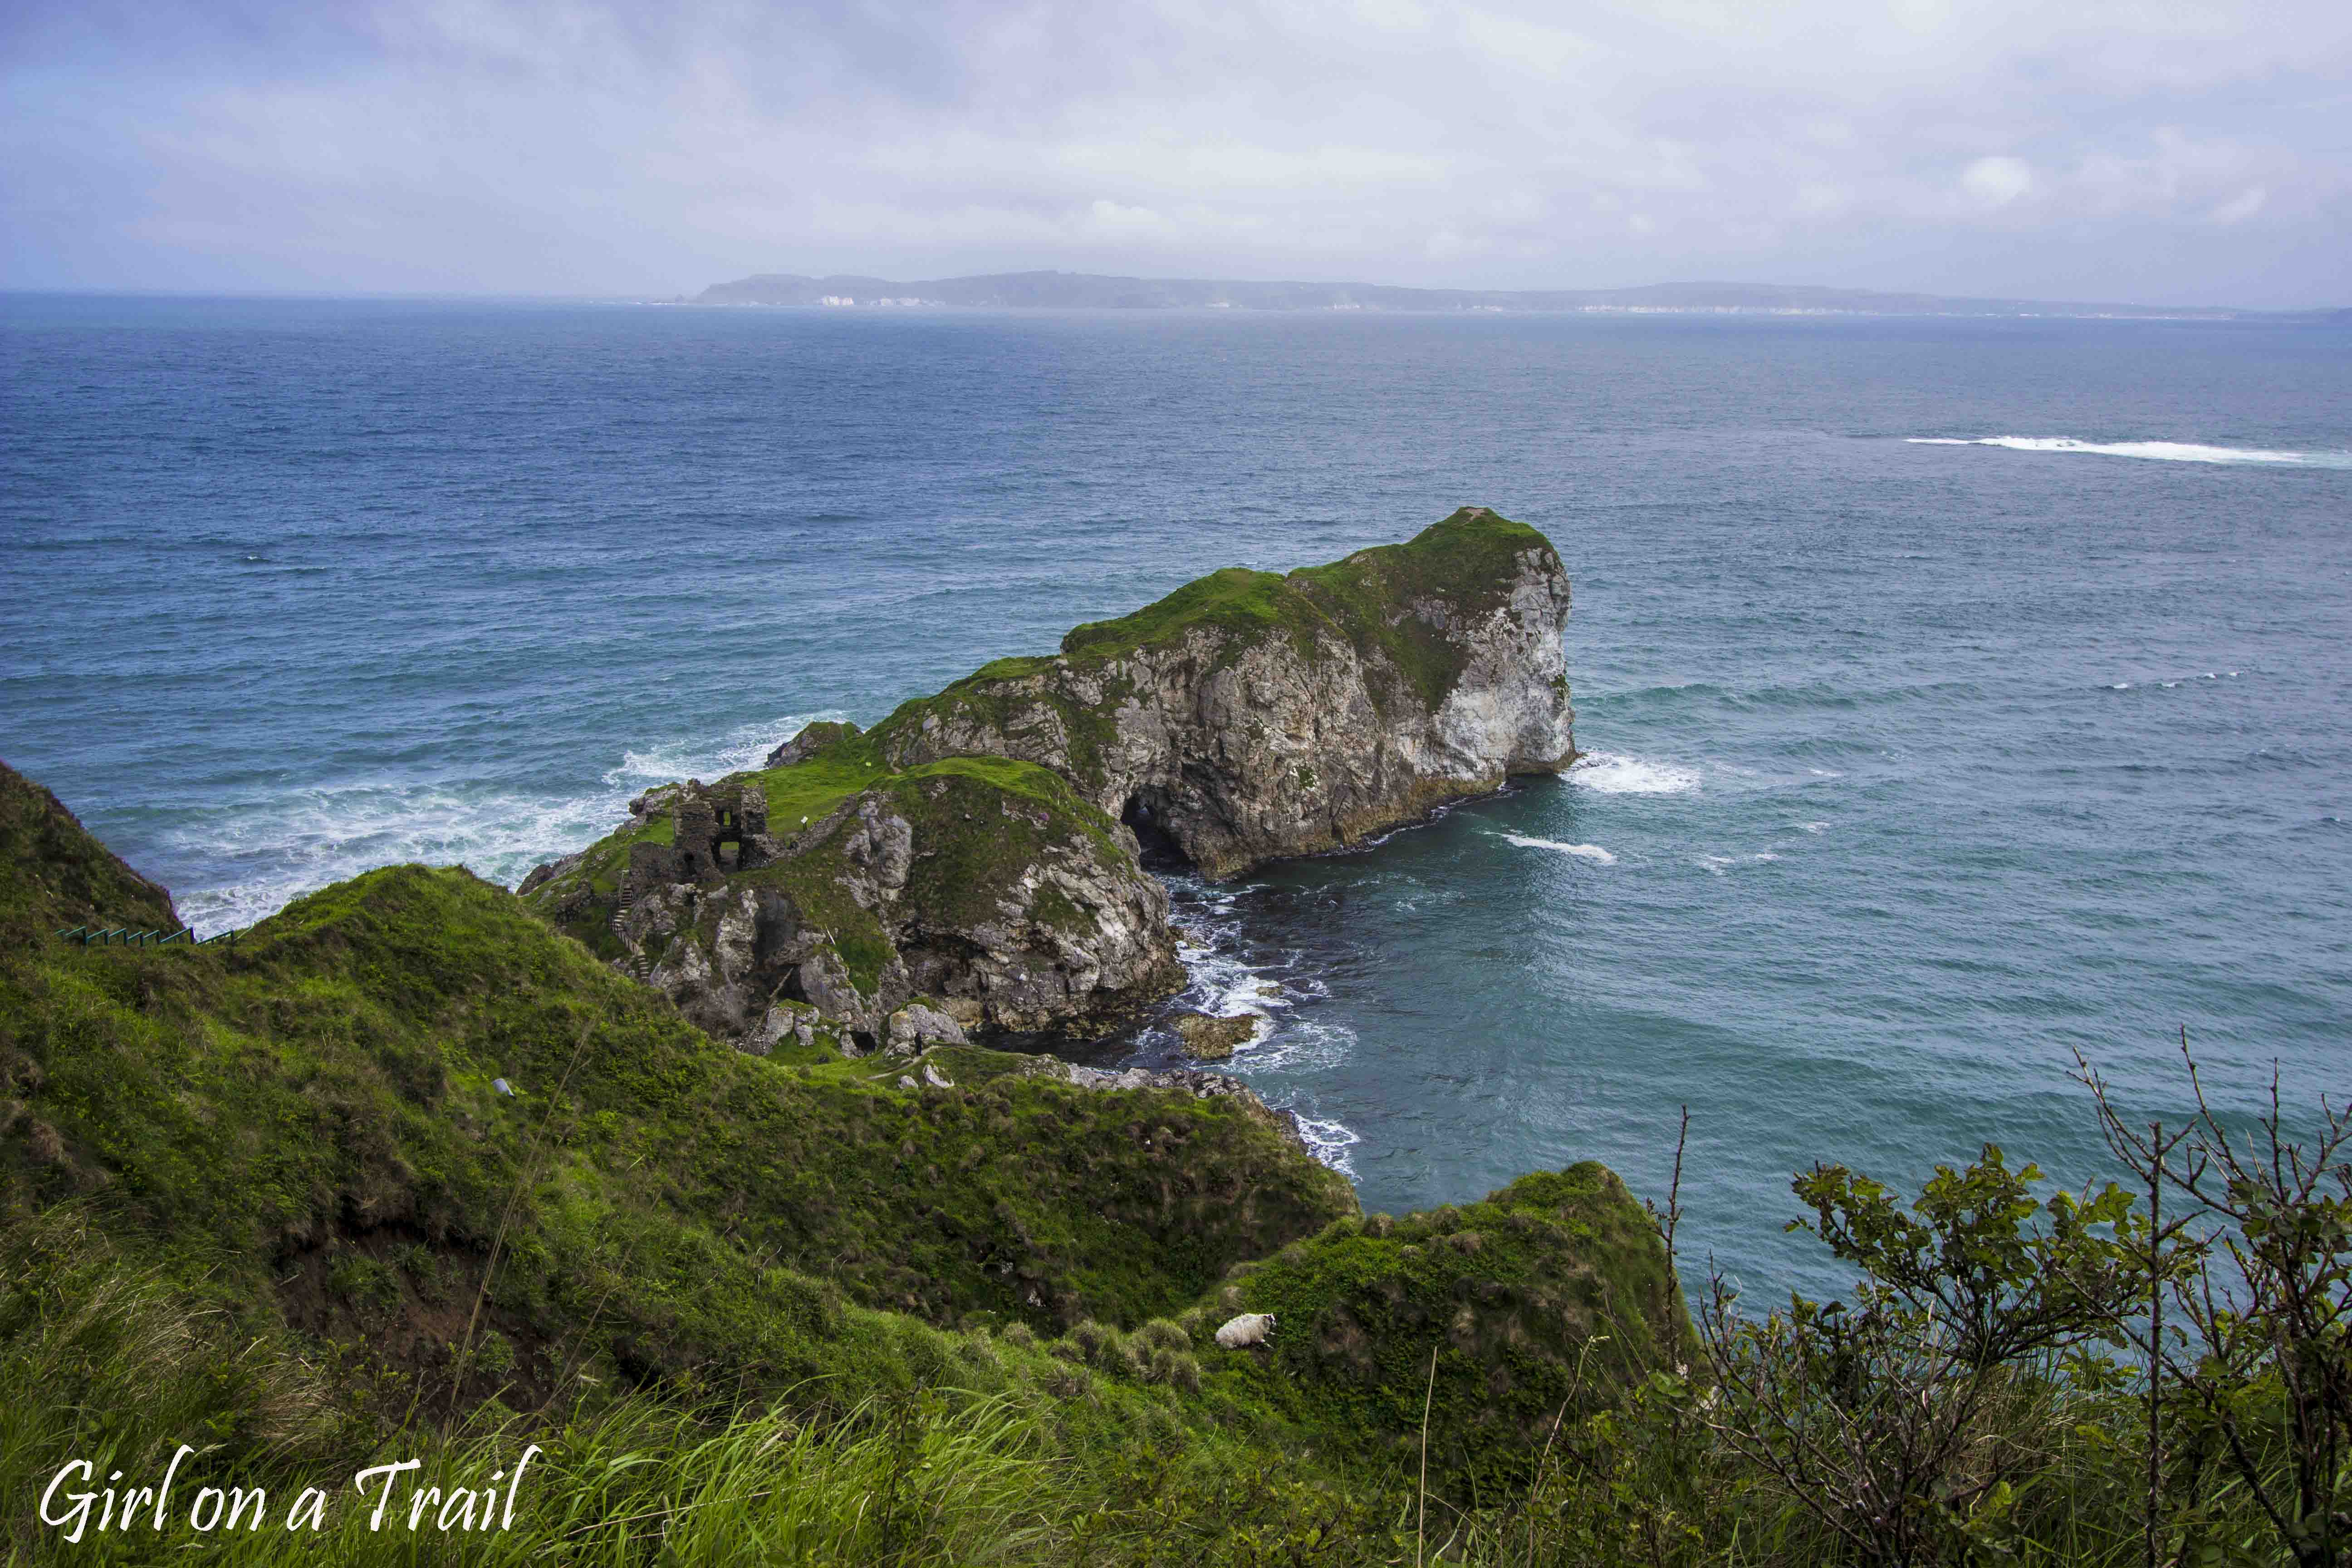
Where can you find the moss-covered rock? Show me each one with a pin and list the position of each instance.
(983, 883)
(1209, 1039)
(1250, 715)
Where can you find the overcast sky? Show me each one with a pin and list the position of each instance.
(2065, 149)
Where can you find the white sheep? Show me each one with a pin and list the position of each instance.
(1249, 1328)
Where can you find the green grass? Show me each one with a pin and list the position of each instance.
(1553, 1292)
(265, 1201)
(1468, 560)
(1236, 603)
(813, 788)
(58, 876)
(913, 1446)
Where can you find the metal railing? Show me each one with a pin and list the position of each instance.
(125, 936)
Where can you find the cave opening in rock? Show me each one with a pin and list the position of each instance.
(1145, 817)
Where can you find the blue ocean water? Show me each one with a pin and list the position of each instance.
(1915, 763)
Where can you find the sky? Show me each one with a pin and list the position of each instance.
(2153, 154)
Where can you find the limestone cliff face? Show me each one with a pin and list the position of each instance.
(1250, 715)
(974, 892)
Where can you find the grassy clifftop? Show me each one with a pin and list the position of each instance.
(58, 876)
(311, 1119)
(1553, 1293)
(1466, 557)
(275, 1199)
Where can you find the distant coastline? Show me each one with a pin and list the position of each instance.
(1081, 290)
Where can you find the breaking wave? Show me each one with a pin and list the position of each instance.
(1607, 773)
(1718, 865)
(2161, 451)
(1328, 1141)
(264, 853)
(1231, 978)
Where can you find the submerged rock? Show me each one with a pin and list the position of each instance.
(1210, 1039)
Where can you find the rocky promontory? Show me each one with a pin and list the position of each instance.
(1251, 715)
(832, 896)
(978, 859)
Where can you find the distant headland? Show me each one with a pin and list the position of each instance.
(1081, 290)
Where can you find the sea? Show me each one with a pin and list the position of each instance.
(1962, 700)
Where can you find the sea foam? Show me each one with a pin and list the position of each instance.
(1716, 865)
(278, 850)
(1593, 852)
(1328, 1140)
(1610, 773)
(2160, 451)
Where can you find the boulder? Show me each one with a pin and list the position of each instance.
(1210, 1039)
(811, 740)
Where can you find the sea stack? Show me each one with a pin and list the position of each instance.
(1250, 715)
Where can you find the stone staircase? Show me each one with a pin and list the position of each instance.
(635, 965)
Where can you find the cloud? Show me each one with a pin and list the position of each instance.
(2193, 151)
(2239, 207)
(1996, 182)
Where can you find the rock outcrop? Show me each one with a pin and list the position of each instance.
(979, 854)
(1249, 716)
(1210, 1038)
(970, 892)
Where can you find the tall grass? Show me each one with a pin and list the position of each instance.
(104, 1361)
(1105, 1447)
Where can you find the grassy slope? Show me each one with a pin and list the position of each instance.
(1553, 1292)
(57, 876)
(320, 1099)
(255, 1194)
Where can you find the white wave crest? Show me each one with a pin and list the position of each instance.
(2160, 451)
(1610, 773)
(1593, 852)
(277, 849)
(745, 746)
(1716, 865)
(1329, 1142)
